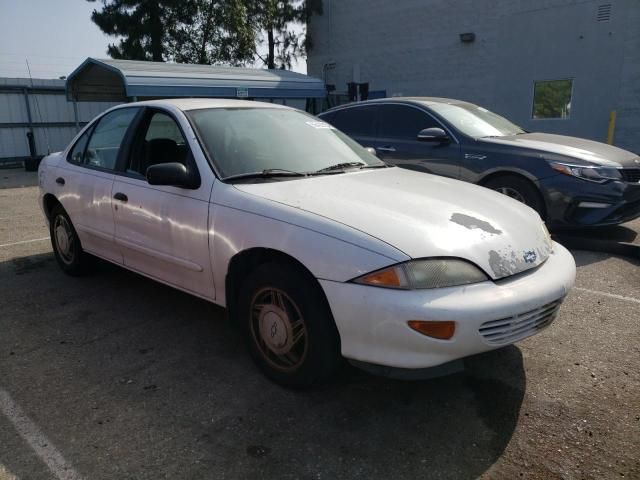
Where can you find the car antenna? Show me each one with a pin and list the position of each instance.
(46, 136)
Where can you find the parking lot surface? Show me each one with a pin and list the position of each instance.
(115, 376)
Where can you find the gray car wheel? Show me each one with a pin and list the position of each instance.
(519, 189)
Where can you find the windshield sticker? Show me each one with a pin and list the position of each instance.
(321, 125)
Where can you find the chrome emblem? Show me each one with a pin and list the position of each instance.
(530, 256)
(474, 156)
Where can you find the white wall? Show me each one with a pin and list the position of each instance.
(412, 47)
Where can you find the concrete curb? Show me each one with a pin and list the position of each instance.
(582, 243)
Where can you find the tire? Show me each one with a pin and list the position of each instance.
(519, 189)
(288, 326)
(66, 244)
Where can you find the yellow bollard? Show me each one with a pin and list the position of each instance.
(612, 127)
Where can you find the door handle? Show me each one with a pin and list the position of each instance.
(121, 196)
(60, 181)
(386, 149)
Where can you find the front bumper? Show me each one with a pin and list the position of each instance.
(372, 321)
(570, 202)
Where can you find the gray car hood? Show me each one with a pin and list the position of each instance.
(422, 215)
(579, 148)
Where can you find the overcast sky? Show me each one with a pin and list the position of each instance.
(55, 36)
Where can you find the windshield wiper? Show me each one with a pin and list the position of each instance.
(341, 166)
(266, 173)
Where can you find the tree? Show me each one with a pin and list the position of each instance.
(143, 25)
(217, 32)
(185, 31)
(273, 19)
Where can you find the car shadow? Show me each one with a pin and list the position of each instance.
(133, 376)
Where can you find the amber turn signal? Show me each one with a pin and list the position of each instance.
(383, 278)
(439, 330)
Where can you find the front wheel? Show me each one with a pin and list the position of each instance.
(66, 244)
(288, 326)
(519, 189)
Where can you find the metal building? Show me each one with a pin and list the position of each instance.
(39, 109)
(561, 66)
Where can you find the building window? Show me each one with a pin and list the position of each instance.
(552, 98)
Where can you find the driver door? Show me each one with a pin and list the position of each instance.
(162, 230)
(397, 142)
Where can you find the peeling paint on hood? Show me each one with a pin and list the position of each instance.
(422, 215)
(472, 222)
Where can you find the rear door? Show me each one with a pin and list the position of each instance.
(397, 144)
(85, 179)
(162, 230)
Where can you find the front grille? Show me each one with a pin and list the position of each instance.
(631, 175)
(523, 325)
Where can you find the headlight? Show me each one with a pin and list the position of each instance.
(592, 174)
(428, 273)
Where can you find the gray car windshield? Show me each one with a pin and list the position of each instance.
(246, 140)
(476, 121)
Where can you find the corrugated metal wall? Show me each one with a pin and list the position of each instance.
(50, 115)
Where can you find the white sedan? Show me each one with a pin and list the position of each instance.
(318, 249)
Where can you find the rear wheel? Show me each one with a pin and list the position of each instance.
(519, 189)
(288, 326)
(66, 244)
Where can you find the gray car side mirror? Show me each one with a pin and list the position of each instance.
(433, 134)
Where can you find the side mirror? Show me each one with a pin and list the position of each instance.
(372, 151)
(433, 134)
(172, 174)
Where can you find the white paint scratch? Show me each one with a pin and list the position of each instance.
(24, 241)
(40, 444)
(610, 295)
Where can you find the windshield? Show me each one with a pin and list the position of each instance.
(475, 121)
(246, 140)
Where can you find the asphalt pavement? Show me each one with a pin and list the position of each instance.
(116, 376)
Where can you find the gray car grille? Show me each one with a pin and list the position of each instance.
(523, 325)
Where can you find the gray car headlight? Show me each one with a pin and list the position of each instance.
(591, 174)
(427, 273)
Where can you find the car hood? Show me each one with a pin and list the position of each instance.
(579, 148)
(422, 215)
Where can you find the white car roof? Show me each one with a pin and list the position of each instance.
(200, 103)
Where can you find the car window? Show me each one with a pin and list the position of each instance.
(356, 121)
(328, 117)
(244, 140)
(76, 154)
(163, 142)
(403, 122)
(105, 141)
(476, 121)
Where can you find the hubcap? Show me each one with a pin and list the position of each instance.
(278, 329)
(63, 239)
(510, 192)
